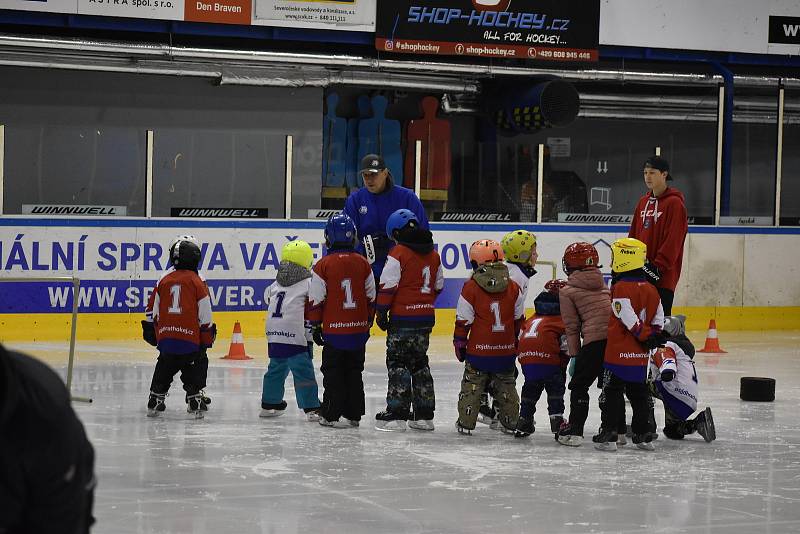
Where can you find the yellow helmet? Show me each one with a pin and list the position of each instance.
(627, 254)
(298, 252)
(517, 246)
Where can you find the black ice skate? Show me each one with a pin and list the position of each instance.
(555, 424)
(704, 422)
(487, 413)
(644, 441)
(462, 429)
(524, 427)
(606, 440)
(388, 421)
(196, 405)
(272, 410)
(155, 404)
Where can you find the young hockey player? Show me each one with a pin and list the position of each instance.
(634, 330)
(519, 248)
(411, 280)
(585, 309)
(544, 362)
(676, 384)
(178, 322)
(288, 340)
(489, 313)
(341, 308)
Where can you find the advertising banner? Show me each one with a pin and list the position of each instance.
(545, 30)
(352, 15)
(119, 264)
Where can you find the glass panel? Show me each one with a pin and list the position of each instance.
(790, 181)
(306, 164)
(754, 146)
(74, 165)
(218, 169)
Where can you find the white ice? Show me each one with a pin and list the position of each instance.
(235, 473)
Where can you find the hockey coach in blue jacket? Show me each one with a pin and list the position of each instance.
(371, 206)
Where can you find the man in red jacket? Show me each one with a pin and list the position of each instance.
(660, 222)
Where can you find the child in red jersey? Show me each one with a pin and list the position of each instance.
(489, 314)
(179, 324)
(634, 329)
(409, 285)
(341, 308)
(541, 352)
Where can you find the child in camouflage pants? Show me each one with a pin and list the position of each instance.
(409, 284)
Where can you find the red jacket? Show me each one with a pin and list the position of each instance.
(539, 348)
(180, 307)
(410, 283)
(636, 314)
(342, 299)
(661, 223)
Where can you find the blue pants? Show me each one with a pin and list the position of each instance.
(532, 391)
(305, 383)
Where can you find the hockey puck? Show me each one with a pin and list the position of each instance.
(753, 388)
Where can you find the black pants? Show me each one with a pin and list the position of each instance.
(193, 368)
(588, 367)
(344, 388)
(614, 406)
(667, 297)
(532, 391)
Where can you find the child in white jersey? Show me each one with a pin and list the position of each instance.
(288, 337)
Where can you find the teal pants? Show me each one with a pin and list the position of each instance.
(305, 383)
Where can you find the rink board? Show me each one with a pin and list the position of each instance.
(118, 261)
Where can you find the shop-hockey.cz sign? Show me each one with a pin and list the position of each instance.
(221, 213)
(546, 30)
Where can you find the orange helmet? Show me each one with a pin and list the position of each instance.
(485, 251)
(554, 286)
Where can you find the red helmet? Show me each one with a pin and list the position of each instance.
(485, 251)
(554, 286)
(580, 255)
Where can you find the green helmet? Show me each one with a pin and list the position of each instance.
(517, 246)
(298, 252)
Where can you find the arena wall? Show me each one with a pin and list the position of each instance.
(744, 278)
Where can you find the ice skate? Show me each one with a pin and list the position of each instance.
(500, 427)
(387, 421)
(644, 441)
(524, 427)
(704, 422)
(196, 405)
(566, 437)
(272, 410)
(155, 404)
(463, 430)
(486, 414)
(206, 398)
(312, 415)
(555, 423)
(421, 424)
(353, 423)
(605, 441)
(333, 424)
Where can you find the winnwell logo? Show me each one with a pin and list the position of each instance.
(784, 30)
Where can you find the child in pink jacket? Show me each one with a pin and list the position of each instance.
(585, 310)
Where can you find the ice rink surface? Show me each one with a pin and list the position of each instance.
(235, 473)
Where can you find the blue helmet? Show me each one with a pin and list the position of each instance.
(398, 220)
(340, 230)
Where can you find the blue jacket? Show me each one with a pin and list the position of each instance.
(370, 213)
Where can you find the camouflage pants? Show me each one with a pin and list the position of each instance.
(410, 380)
(504, 390)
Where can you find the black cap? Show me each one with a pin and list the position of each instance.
(658, 163)
(372, 163)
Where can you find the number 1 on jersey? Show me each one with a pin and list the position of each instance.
(532, 330)
(347, 287)
(498, 325)
(175, 307)
(426, 280)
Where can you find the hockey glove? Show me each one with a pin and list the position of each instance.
(316, 332)
(667, 375)
(460, 346)
(656, 339)
(208, 335)
(652, 273)
(382, 319)
(149, 332)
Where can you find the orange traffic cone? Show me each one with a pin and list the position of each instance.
(712, 341)
(236, 352)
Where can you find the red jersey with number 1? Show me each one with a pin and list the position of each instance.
(410, 283)
(539, 349)
(342, 299)
(180, 308)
